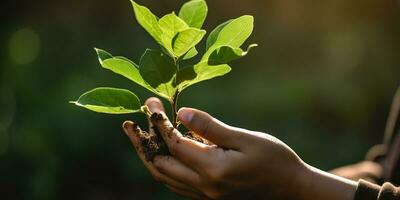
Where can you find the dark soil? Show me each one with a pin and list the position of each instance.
(193, 136)
(153, 144)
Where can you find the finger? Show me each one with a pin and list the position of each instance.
(192, 153)
(188, 149)
(154, 104)
(133, 131)
(211, 129)
(175, 169)
(187, 194)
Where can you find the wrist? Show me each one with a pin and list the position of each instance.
(313, 183)
(301, 182)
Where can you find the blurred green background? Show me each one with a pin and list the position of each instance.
(322, 81)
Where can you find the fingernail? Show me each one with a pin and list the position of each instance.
(154, 105)
(127, 126)
(185, 115)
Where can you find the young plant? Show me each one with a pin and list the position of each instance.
(159, 71)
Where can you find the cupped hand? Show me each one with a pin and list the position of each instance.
(239, 164)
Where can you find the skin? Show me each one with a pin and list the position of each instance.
(240, 164)
(362, 170)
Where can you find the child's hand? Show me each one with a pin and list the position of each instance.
(241, 164)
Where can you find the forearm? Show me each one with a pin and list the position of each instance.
(317, 184)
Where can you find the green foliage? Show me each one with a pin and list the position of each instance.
(148, 21)
(194, 13)
(226, 54)
(186, 40)
(232, 33)
(109, 100)
(159, 71)
(124, 67)
(194, 74)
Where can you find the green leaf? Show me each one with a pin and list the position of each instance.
(194, 74)
(147, 20)
(109, 100)
(215, 33)
(194, 13)
(186, 40)
(236, 32)
(226, 54)
(158, 70)
(232, 33)
(190, 54)
(127, 59)
(102, 55)
(171, 25)
(170, 53)
(123, 66)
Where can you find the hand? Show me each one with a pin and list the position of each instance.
(367, 170)
(241, 164)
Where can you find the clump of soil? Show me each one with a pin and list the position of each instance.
(153, 143)
(192, 135)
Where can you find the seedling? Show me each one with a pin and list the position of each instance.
(160, 71)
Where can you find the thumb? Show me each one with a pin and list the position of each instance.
(211, 129)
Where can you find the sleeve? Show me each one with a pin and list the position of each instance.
(369, 191)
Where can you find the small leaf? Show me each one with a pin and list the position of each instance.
(110, 101)
(171, 25)
(159, 71)
(186, 40)
(232, 33)
(190, 54)
(148, 21)
(194, 13)
(123, 66)
(194, 74)
(226, 54)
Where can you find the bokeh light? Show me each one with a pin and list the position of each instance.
(7, 107)
(24, 46)
(321, 80)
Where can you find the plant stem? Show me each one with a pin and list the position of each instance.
(174, 103)
(174, 108)
(146, 111)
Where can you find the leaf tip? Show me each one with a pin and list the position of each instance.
(252, 46)
(100, 51)
(135, 6)
(248, 17)
(133, 3)
(96, 49)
